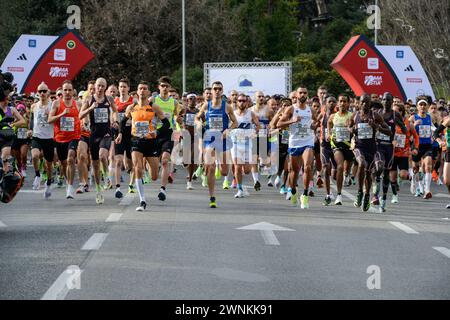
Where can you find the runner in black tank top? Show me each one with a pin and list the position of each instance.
(385, 155)
(366, 124)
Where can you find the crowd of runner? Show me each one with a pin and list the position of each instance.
(107, 136)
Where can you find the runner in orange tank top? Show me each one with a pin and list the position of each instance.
(67, 127)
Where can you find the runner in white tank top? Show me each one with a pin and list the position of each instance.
(244, 159)
(302, 121)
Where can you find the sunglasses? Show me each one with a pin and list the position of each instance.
(242, 100)
(43, 91)
(164, 85)
(217, 89)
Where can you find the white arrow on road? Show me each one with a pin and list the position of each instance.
(267, 231)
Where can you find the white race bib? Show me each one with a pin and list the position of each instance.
(216, 123)
(425, 131)
(342, 134)
(400, 140)
(190, 119)
(142, 128)
(365, 131)
(22, 133)
(101, 115)
(67, 124)
(383, 137)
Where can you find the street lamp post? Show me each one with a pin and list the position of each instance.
(184, 43)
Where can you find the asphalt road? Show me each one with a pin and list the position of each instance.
(182, 249)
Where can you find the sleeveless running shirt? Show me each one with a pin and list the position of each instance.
(300, 133)
(41, 128)
(217, 119)
(99, 118)
(341, 135)
(68, 127)
(168, 108)
(424, 129)
(365, 135)
(142, 122)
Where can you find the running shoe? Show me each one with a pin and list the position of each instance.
(448, 206)
(234, 183)
(283, 190)
(319, 182)
(358, 201)
(338, 201)
(226, 184)
(277, 182)
(239, 194)
(142, 206)
(257, 186)
(375, 200)
(60, 181)
(37, 183)
(327, 201)
(99, 199)
(44, 176)
(289, 194)
(80, 189)
(366, 202)
(48, 192)
(108, 185)
(353, 179)
(394, 199)
(412, 188)
(382, 206)
(86, 188)
(428, 196)
(270, 183)
(294, 200)
(118, 194)
(69, 194)
(434, 176)
(198, 172)
(189, 186)
(418, 193)
(162, 194)
(304, 202)
(204, 181)
(218, 174)
(311, 193)
(170, 178)
(212, 203)
(131, 189)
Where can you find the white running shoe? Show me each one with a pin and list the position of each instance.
(239, 194)
(142, 206)
(277, 182)
(412, 188)
(48, 192)
(394, 199)
(289, 195)
(338, 201)
(99, 198)
(332, 196)
(70, 191)
(37, 183)
(189, 186)
(439, 182)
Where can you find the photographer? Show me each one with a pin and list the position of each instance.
(7, 134)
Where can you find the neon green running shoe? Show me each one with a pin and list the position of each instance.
(212, 203)
(304, 202)
(218, 173)
(226, 184)
(204, 181)
(131, 189)
(294, 200)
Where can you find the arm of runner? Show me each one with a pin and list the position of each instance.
(329, 127)
(200, 117)
(380, 125)
(255, 121)
(31, 124)
(20, 121)
(85, 108)
(232, 117)
(399, 122)
(284, 120)
(123, 123)
(52, 117)
(114, 115)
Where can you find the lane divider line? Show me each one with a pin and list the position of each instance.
(403, 227)
(95, 242)
(68, 280)
(114, 217)
(443, 250)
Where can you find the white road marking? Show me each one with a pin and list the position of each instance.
(65, 282)
(403, 227)
(443, 250)
(127, 200)
(353, 198)
(2, 225)
(95, 242)
(267, 232)
(114, 217)
(269, 238)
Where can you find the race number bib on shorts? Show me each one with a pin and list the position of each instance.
(101, 115)
(400, 140)
(67, 124)
(142, 128)
(216, 123)
(424, 131)
(365, 131)
(342, 134)
(190, 119)
(22, 133)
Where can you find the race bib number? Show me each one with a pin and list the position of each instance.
(301, 130)
(216, 123)
(262, 130)
(424, 131)
(365, 131)
(22, 133)
(101, 115)
(121, 116)
(342, 134)
(190, 119)
(400, 140)
(284, 137)
(42, 120)
(67, 124)
(383, 137)
(142, 128)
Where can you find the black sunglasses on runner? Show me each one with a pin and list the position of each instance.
(43, 91)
